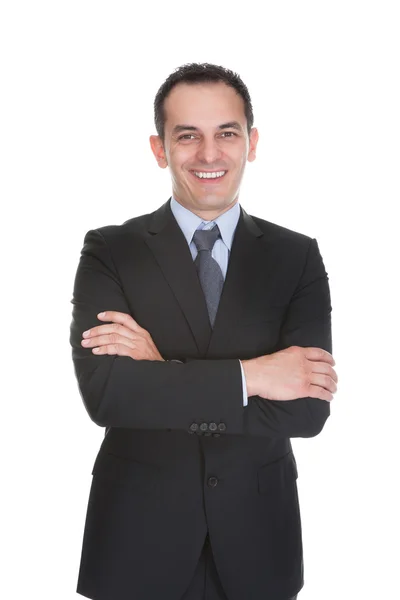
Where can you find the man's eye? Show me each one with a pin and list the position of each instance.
(187, 136)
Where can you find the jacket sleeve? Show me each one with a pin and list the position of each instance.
(118, 391)
(307, 323)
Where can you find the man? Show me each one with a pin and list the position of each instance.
(214, 349)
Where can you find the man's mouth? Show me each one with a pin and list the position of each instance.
(209, 176)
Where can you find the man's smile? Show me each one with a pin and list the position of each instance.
(208, 177)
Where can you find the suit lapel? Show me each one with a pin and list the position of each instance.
(173, 255)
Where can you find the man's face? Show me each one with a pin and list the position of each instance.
(205, 133)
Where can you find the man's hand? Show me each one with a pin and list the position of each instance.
(292, 373)
(123, 336)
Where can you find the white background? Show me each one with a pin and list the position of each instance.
(78, 81)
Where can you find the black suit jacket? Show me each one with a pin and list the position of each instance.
(181, 455)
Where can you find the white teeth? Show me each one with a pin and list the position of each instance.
(202, 175)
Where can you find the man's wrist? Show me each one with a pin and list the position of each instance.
(249, 368)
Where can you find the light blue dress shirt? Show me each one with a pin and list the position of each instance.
(227, 222)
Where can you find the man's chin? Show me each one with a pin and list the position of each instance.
(211, 202)
(215, 200)
(214, 197)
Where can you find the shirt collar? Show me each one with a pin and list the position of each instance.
(190, 222)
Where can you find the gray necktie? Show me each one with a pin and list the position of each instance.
(209, 271)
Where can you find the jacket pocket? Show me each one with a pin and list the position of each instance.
(277, 475)
(119, 470)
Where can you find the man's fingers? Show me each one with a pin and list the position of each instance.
(109, 339)
(324, 381)
(119, 349)
(318, 354)
(121, 323)
(136, 353)
(119, 317)
(110, 328)
(323, 367)
(316, 391)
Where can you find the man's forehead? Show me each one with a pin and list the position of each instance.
(204, 115)
(204, 106)
(184, 97)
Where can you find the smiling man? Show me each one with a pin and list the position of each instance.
(201, 341)
(206, 153)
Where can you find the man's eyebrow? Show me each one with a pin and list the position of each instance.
(179, 128)
(229, 125)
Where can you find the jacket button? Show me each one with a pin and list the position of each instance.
(213, 427)
(212, 481)
(194, 427)
(204, 426)
(221, 426)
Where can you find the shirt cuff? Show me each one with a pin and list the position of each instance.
(244, 386)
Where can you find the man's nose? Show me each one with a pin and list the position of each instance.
(208, 151)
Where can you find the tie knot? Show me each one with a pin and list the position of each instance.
(206, 238)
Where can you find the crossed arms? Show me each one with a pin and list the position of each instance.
(135, 387)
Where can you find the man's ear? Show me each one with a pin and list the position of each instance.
(253, 144)
(158, 150)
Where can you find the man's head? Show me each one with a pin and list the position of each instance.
(204, 121)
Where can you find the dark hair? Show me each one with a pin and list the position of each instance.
(193, 73)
